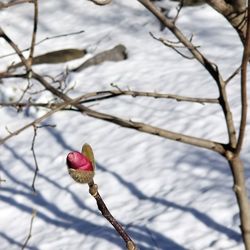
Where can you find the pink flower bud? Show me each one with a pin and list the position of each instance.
(80, 167)
(78, 161)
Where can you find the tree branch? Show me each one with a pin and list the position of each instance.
(45, 39)
(210, 67)
(33, 40)
(140, 126)
(14, 2)
(15, 48)
(41, 118)
(30, 229)
(93, 190)
(215, 146)
(244, 64)
(34, 157)
(102, 95)
(235, 13)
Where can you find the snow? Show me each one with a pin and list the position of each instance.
(166, 194)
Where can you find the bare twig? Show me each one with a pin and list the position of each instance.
(15, 47)
(209, 66)
(235, 73)
(33, 40)
(30, 229)
(179, 8)
(40, 119)
(133, 93)
(46, 39)
(244, 64)
(234, 146)
(102, 95)
(35, 159)
(172, 45)
(35, 127)
(59, 36)
(24, 91)
(93, 190)
(215, 146)
(140, 126)
(6, 74)
(14, 2)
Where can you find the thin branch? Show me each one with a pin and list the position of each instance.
(102, 95)
(178, 98)
(93, 190)
(24, 91)
(235, 73)
(122, 122)
(46, 39)
(181, 37)
(179, 8)
(59, 36)
(33, 39)
(215, 146)
(35, 159)
(244, 64)
(209, 66)
(41, 118)
(14, 2)
(6, 74)
(35, 127)
(30, 229)
(15, 48)
(172, 46)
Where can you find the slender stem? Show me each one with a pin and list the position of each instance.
(15, 48)
(43, 40)
(93, 190)
(33, 39)
(41, 118)
(35, 159)
(246, 55)
(30, 229)
(102, 95)
(14, 2)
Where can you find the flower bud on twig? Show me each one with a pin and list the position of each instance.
(80, 167)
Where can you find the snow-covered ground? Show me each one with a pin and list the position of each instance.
(166, 194)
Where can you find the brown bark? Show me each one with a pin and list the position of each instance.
(240, 190)
(235, 12)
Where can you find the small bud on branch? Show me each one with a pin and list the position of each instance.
(80, 167)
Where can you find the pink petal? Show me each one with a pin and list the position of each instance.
(78, 161)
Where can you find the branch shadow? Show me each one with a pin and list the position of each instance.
(62, 219)
(200, 159)
(31, 168)
(202, 217)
